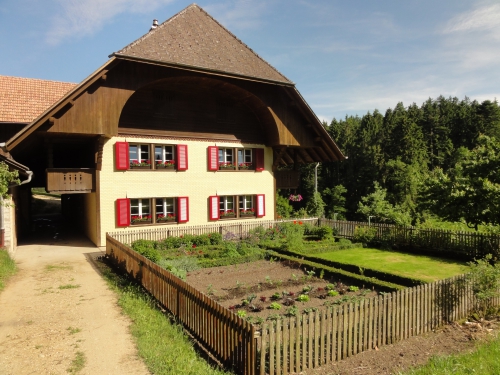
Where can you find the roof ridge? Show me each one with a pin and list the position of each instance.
(240, 41)
(128, 50)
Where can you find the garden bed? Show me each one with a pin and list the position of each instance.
(287, 281)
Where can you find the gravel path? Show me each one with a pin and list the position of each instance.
(57, 311)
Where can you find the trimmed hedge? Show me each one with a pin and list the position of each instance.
(383, 286)
(368, 272)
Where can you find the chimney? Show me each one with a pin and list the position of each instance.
(155, 25)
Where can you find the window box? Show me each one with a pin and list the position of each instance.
(226, 166)
(166, 165)
(245, 166)
(166, 219)
(134, 220)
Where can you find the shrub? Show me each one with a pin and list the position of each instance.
(293, 233)
(147, 249)
(485, 280)
(215, 238)
(323, 232)
(364, 234)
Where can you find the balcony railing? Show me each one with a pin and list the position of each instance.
(70, 180)
(287, 179)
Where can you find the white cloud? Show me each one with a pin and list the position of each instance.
(77, 18)
(483, 18)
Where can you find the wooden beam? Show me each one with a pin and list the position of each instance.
(52, 120)
(278, 154)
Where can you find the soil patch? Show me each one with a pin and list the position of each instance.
(271, 282)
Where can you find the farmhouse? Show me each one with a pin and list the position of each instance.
(184, 126)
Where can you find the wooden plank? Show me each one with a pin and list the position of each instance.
(371, 319)
(316, 338)
(355, 328)
(286, 343)
(310, 335)
(278, 344)
(298, 343)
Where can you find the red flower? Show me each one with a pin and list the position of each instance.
(194, 246)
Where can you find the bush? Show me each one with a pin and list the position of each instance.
(323, 232)
(293, 233)
(215, 238)
(147, 249)
(485, 280)
(364, 235)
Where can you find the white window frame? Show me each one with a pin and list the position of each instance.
(141, 149)
(226, 204)
(226, 155)
(139, 204)
(168, 206)
(166, 155)
(246, 202)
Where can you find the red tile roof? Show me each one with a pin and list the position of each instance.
(24, 99)
(193, 38)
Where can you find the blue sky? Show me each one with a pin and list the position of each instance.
(346, 57)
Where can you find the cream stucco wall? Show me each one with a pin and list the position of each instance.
(197, 182)
(91, 212)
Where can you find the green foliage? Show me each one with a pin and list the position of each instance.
(303, 298)
(241, 313)
(7, 178)
(147, 249)
(470, 190)
(332, 293)
(292, 311)
(335, 202)
(485, 280)
(7, 267)
(353, 288)
(293, 234)
(315, 207)
(283, 207)
(364, 235)
(275, 306)
(377, 206)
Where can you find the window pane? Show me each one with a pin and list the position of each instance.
(145, 207)
(169, 205)
(159, 206)
(230, 203)
(134, 207)
(144, 149)
(132, 150)
(169, 152)
(159, 153)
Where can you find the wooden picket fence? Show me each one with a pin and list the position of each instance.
(457, 244)
(331, 334)
(230, 339)
(293, 344)
(227, 230)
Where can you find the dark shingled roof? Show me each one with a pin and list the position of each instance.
(193, 38)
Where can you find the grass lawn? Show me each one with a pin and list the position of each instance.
(483, 361)
(7, 267)
(163, 345)
(419, 266)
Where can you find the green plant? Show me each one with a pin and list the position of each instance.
(332, 293)
(210, 290)
(276, 296)
(241, 313)
(322, 274)
(7, 267)
(364, 235)
(292, 311)
(78, 363)
(306, 289)
(330, 287)
(69, 286)
(353, 288)
(485, 280)
(310, 274)
(303, 298)
(72, 330)
(275, 306)
(268, 280)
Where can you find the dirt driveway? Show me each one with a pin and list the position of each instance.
(57, 315)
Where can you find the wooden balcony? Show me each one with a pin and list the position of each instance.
(287, 179)
(70, 180)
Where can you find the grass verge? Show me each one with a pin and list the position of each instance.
(482, 361)
(422, 267)
(163, 346)
(7, 267)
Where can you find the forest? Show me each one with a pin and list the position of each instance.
(413, 163)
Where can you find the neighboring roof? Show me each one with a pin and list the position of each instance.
(24, 99)
(193, 38)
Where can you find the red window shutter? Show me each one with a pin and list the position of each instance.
(213, 158)
(182, 157)
(121, 156)
(261, 205)
(182, 209)
(123, 212)
(259, 159)
(213, 207)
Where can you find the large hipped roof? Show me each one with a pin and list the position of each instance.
(193, 38)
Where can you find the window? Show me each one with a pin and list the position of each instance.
(142, 211)
(246, 205)
(140, 156)
(165, 210)
(224, 206)
(164, 156)
(226, 158)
